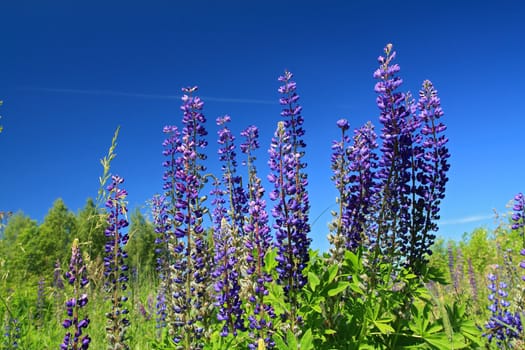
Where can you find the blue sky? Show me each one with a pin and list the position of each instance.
(72, 71)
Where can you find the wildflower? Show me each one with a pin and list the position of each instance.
(115, 269)
(77, 277)
(258, 242)
(503, 325)
(188, 305)
(228, 234)
(292, 206)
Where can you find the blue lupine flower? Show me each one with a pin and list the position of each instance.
(77, 277)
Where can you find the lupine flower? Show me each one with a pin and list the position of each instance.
(518, 216)
(395, 164)
(190, 275)
(430, 158)
(40, 300)
(115, 268)
(233, 182)
(289, 192)
(451, 269)
(163, 255)
(58, 282)
(354, 164)
(77, 277)
(503, 325)
(11, 334)
(258, 242)
(227, 288)
(472, 280)
(518, 223)
(228, 234)
(412, 167)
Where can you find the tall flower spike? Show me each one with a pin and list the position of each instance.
(430, 166)
(503, 325)
(77, 277)
(289, 192)
(292, 203)
(394, 171)
(115, 268)
(258, 242)
(228, 234)
(227, 285)
(361, 193)
(518, 223)
(189, 308)
(163, 256)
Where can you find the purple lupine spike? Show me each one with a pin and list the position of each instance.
(394, 170)
(258, 242)
(339, 164)
(233, 182)
(115, 268)
(472, 281)
(227, 287)
(40, 299)
(77, 277)
(412, 168)
(11, 334)
(430, 157)
(289, 192)
(503, 325)
(228, 234)
(518, 223)
(162, 253)
(361, 194)
(189, 249)
(292, 204)
(518, 216)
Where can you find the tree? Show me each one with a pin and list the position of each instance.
(53, 239)
(19, 231)
(141, 245)
(91, 224)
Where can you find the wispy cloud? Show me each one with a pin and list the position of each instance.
(141, 95)
(466, 219)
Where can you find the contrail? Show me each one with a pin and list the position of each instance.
(466, 219)
(141, 95)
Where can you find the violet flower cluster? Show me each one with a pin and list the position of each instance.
(258, 242)
(163, 256)
(503, 325)
(354, 165)
(518, 223)
(190, 254)
(115, 268)
(412, 167)
(291, 208)
(228, 234)
(75, 324)
(11, 334)
(395, 165)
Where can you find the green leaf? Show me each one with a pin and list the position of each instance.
(307, 341)
(332, 272)
(384, 327)
(290, 339)
(313, 280)
(339, 288)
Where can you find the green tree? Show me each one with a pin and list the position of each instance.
(53, 239)
(19, 232)
(141, 244)
(91, 224)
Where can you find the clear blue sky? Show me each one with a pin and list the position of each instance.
(72, 71)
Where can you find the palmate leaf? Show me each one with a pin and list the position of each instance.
(338, 288)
